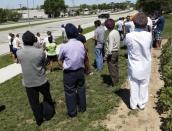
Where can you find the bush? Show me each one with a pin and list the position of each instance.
(167, 123)
(166, 63)
(164, 104)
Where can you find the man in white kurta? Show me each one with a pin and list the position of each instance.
(139, 62)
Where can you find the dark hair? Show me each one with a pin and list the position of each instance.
(48, 32)
(128, 18)
(110, 24)
(62, 26)
(17, 35)
(80, 30)
(12, 35)
(38, 34)
(29, 38)
(140, 20)
(97, 23)
(158, 13)
(50, 39)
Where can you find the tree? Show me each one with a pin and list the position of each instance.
(153, 5)
(83, 6)
(94, 7)
(54, 7)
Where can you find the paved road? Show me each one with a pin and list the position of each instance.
(53, 27)
(13, 70)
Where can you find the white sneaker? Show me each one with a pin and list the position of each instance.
(141, 107)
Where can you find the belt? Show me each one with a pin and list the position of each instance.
(115, 51)
(68, 71)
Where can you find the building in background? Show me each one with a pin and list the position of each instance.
(37, 14)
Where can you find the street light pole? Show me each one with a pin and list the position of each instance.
(28, 12)
(33, 4)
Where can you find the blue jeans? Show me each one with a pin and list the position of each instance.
(99, 58)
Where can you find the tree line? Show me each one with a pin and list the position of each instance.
(54, 7)
(9, 15)
(154, 5)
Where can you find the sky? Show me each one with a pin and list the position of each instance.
(17, 3)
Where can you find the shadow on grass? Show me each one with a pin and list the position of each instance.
(125, 96)
(107, 79)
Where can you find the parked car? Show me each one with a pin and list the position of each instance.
(104, 15)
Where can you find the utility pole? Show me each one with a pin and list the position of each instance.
(73, 3)
(97, 6)
(33, 4)
(21, 9)
(20, 5)
(28, 12)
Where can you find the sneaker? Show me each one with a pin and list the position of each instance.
(142, 107)
(91, 73)
(133, 108)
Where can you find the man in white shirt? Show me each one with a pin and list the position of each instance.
(10, 42)
(17, 44)
(112, 47)
(120, 27)
(139, 61)
(39, 43)
(128, 25)
(49, 34)
(149, 24)
(64, 36)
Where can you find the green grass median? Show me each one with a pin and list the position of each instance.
(168, 27)
(6, 60)
(101, 100)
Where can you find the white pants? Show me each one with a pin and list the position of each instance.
(138, 92)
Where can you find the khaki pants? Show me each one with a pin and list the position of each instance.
(112, 62)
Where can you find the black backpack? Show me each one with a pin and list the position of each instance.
(48, 110)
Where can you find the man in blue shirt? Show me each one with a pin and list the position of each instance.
(159, 29)
(72, 54)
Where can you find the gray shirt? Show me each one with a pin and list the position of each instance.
(100, 36)
(33, 66)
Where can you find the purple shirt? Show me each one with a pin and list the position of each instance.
(72, 54)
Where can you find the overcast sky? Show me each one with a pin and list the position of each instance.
(16, 3)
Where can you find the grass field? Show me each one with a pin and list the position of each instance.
(5, 60)
(101, 99)
(168, 26)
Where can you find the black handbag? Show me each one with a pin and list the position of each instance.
(48, 110)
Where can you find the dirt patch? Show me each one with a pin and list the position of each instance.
(148, 119)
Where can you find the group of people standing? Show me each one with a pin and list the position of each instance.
(14, 44)
(73, 55)
(138, 34)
